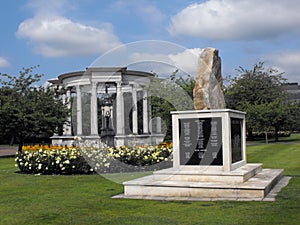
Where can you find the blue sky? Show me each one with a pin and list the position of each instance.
(69, 35)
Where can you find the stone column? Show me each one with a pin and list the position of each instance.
(134, 111)
(65, 125)
(120, 110)
(79, 110)
(94, 110)
(158, 125)
(103, 119)
(145, 113)
(111, 117)
(67, 100)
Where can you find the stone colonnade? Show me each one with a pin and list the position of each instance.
(120, 125)
(93, 81)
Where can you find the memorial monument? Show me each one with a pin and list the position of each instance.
(209, 150)
(116, 91)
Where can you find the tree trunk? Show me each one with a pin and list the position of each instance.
(266, 137)
(20, 147)
(250, 134)
(12, 140)
(276, 134)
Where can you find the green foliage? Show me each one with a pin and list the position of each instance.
(294, 116)
(172, 94)
(256, 86)
(259, 93)
(29, 111)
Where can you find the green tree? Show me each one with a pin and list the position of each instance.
(28, 111)
(294, 116)
(259, 93)
(172, 94)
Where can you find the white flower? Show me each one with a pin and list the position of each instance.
(76, 138)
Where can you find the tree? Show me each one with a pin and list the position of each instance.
(259, 93)
(294, 116)
(28, 111)
(172, 94)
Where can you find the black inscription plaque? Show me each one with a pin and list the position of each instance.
(200, 141)
(236, 141)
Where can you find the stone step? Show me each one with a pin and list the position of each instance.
(255, 188)
(205, 174)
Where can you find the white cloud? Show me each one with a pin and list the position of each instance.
(187, 60)
(142, 57)
(53, 35)
(156, 56)
(4, 62)
(233, 20)
(287, 62)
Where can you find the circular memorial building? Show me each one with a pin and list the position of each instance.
(108, 103)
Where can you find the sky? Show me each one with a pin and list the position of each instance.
(70, 35)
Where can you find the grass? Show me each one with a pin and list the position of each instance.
(27, 199)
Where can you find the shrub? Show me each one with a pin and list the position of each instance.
(54, 161)
(41, 159)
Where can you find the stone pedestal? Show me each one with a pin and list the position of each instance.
(138, 140)
(209, 150)
(107, 136)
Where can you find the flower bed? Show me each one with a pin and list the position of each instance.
(54, 161)
(43, 159)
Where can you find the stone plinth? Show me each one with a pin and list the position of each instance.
(209, 139)
(141, 139)
(209, 151)
(210, 186)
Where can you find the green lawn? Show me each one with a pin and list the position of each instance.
(28, 199)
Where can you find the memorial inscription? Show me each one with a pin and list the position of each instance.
(236, 140)
(200, 141)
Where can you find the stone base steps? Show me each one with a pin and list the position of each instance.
(206, 174)
(217, 186)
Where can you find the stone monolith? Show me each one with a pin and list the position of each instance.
(208, 92)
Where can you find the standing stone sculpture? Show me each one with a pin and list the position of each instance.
(208, 92)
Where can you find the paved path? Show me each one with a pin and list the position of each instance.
(6, 150)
